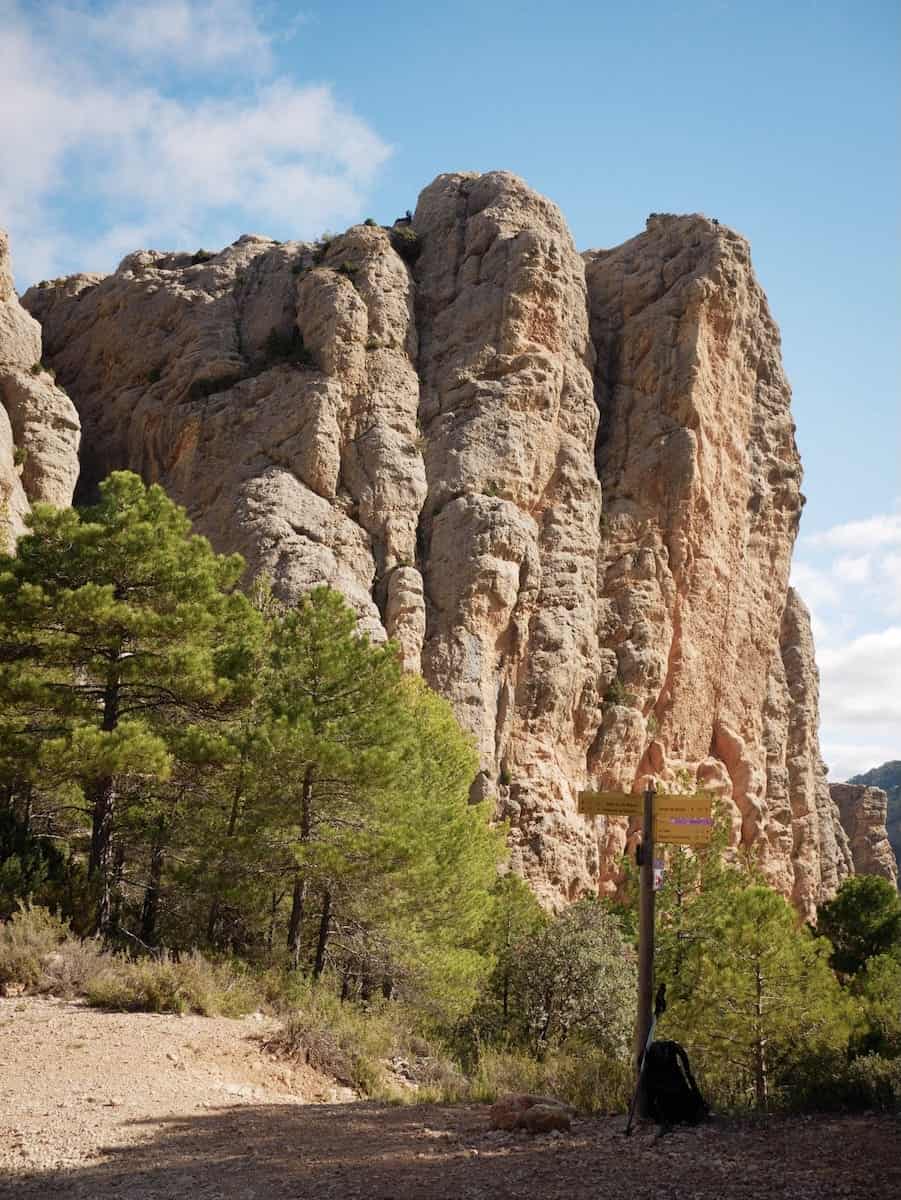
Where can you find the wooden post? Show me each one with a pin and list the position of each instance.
(645, 941)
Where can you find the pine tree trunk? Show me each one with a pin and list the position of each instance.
(103, 798)
(295, 924)
(324, 923)
(298, 896)
(216, 904)
(100, 860)
(151, 907)
(115, 923)
(760, 1073)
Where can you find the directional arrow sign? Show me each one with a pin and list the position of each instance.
(610, 804)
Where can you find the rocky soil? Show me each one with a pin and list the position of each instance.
(139, 1107)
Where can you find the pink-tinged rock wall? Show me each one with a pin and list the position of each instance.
(566, 485)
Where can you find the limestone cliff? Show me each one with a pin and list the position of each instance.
(39, 429)
(427, 417)
(863, 813)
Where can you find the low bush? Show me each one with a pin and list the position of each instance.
(585, 1077)
(192, 984)
(871, 1082)
(406, 243)
(375, 1050)
(27, 940)
(288, 346)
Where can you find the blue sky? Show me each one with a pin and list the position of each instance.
(187, 122)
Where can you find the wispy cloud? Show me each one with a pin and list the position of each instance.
(870, 534)
(105, 148)
(191, 34)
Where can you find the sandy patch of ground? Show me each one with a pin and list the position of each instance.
(98, 1105)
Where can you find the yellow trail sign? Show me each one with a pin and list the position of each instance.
(683, 831)
(610, 804)
(683, 820)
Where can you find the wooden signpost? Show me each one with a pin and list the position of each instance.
(677, 820)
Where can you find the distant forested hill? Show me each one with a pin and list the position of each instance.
(887, 777)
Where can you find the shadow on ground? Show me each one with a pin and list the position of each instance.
(377, 1152)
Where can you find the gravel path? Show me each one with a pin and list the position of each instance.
(98, 1105)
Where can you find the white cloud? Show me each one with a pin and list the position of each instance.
(852, 569)
(815, 585)
(861, 685)
(850, 576)
(85, 146)
(870, 534)
(845, 759)
(197, 34)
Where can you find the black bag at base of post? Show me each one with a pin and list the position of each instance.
(673, 1097)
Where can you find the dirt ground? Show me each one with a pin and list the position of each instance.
(103, 1105)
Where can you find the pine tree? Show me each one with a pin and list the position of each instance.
(337, 733)
(761, 996)
(862, 920)
(118, 628)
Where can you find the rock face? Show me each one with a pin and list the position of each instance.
(39, 430)
(428, 417)
(887, 777)
(863, 813)
(797, 789)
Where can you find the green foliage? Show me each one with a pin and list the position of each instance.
(32, 869)
(154, 375)
(190, 984)
(877, 988)
(27, 940)
(754, 995)
(201, 256)
(287, 345)
(832, 1083)
(406, 243)
(567, 978)
(380, 1050)
(371, 222)
(862, 920)
(616, 693)
(36, 368)
(20, 456)
(120, 628)
(581, 1075)
(321, 246)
